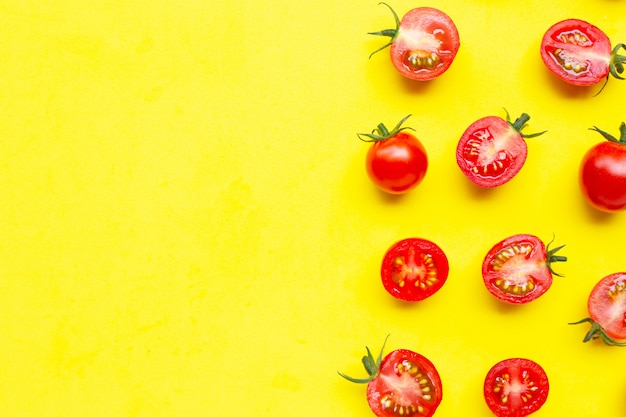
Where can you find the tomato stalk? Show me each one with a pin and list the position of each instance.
(551, 257)
(616, 66)
(382, 133)
(597, 332)
(609, 137)
(392, 33)
(371, 365)
(520, 123)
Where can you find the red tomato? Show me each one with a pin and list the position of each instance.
(580, 54)
(516, 387)
(492, 150)
(397, 161)
(414, 269)
(607, 310)
(404, 383)
(603, 173)
(423, 45)
(518, 269)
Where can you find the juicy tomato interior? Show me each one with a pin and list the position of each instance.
(408, 384)
(516, 271)
(576, 52)
(414, 269)
(398, 164)
(516, 387)
(607, 305)
(426, 44)
(603, 177)
(490, 152)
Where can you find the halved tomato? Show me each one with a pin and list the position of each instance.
(404, 383)
(414, 269)
(607, 310)
(516, 387)
(518, 269)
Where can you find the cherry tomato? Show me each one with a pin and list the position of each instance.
(516, 387)
(404, 383)
(579, 53)
(607, 310)
(397, 161)
(423, 45)
(518, 269)
(492, 150)
(414, 269)
(603, 173)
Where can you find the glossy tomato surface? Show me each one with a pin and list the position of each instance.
(516, 387)
(577, 52)
(607, 305)
(491, 152)
(408, 384)
(397, 164)
(516, 270)
(414, 269)
(426, 44)
(603, 176)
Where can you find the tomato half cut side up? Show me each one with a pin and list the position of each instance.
(404, 383)
(518, 269)
(516, 387)
(423, 44)
(414, 269)
(492, 150)
(607, 311)
(580, 53)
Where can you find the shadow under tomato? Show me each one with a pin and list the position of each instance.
(416, 87)
(597, 216)
(571, 91)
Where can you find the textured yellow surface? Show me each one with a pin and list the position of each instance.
(188, 230)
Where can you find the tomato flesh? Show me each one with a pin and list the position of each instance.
(408, 384)
(577, 52)
(491, 152)
(516, 271)
(603, 176)
(398, 164)
(426, 44)
(607, 305)
(414, 269)
(516, 387)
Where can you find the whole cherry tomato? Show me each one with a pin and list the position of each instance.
(603, 173)
(397, 161)
(423, 45)
(579, 53)
(404, 383)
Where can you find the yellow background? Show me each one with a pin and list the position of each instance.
(188, 229)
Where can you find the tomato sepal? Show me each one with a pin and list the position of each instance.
(392, 33)
(616, 68)
(520, 123)
(598, 332)
(611, 138)
(381, 133)
(552, 258)
(372, 366)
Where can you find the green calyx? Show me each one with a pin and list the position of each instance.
(371, 365)
(609, 137)
(616, 65)
(597, 332)
(392, 33)
(382, 133)
(552, 258)
(520, 123)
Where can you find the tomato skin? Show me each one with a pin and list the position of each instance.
(398, 164)
(398, 386)
(492, 150)
(603, 176)
(516, 387)
(431, 33)
(517, 270)
(582, 59)
(607, 304)
(413, 269)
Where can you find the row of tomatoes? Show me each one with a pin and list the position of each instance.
(490, 153)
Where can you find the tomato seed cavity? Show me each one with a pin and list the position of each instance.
(411, 370)
(499, 261)
(569, 63)
(423, 270)
(419, 59)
